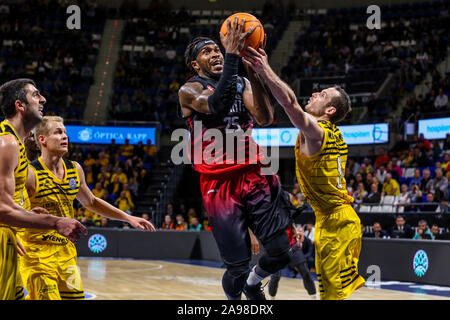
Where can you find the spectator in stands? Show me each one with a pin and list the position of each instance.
(180, 224)
(98, 191)
(151, 152)
(381, 174)
(382, 159)
(373, 196)
(440, 183)
(123, 203)
(420, 158)
(195, 225)
(146, 216)
(414, 196)
(403, 197)
(426, 183)
(436, 149)
(115, 187)
(378, 232)
(168, 224)
(430, 204)
(169, 210)
(401, 229)
(409, 160)
(435, 232)
(105, 223)
(127, 149)
(112, 148)
(139, 150)
(309, 231)
(368, 181)
(353, 166)
(447, 142)
(400, 149)
(359, 193)
(416, 179)
(390, 187)
(121, 175)
(190, 214)
(89, 161)
(422, 231)
(441, 101)
(394, 168)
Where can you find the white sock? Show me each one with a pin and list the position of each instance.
(254, 278)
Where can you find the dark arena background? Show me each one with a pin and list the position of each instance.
(112, 69)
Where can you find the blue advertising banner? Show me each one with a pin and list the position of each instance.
(434, 128)
(103, 135)
(353, 135)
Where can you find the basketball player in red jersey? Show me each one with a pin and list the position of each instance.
(236, 194)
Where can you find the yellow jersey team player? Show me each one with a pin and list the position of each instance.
(49, 269)
(21, 103)
(321, 155)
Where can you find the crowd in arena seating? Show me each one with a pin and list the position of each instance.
(117, 174)
(36, 43)
(411, 41)
(150, 72)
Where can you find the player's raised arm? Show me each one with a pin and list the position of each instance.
(204, 58)
(101, 207)
(258, 61)
(256, 99)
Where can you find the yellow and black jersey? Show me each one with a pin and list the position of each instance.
(21, 171)
(55, 195)
(321, 176)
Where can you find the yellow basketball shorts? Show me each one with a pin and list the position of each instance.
(337, 246)
(50, 272)
(11, 286)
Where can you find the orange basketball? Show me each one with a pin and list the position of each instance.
(256, 38)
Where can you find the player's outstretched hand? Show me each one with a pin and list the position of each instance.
(141, 224)
(70, 228)
(234, 41)
(257, 60)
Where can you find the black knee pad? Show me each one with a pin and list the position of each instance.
(277, 245)
(233, 280)
(272, 264)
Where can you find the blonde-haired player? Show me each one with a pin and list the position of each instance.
(49, 269)
(321, 155)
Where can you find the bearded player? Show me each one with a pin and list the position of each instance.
(49, 269)
(321, 155)
(236, 194)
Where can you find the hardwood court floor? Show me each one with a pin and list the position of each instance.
(112, 279)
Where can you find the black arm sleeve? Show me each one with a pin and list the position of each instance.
(225, 92)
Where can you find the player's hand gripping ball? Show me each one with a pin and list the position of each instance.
(257, 38)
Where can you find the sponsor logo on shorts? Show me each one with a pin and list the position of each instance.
(50, 237)
(48, 289)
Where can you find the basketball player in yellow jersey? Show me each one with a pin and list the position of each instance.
(21, 104)
(49, 269)
(321, 155)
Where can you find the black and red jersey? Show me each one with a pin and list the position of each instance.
(222, 142)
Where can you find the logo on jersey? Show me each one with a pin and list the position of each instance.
(97, 243)
(72, 183)
(420, 263)
(240, 87)
(210, 88)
